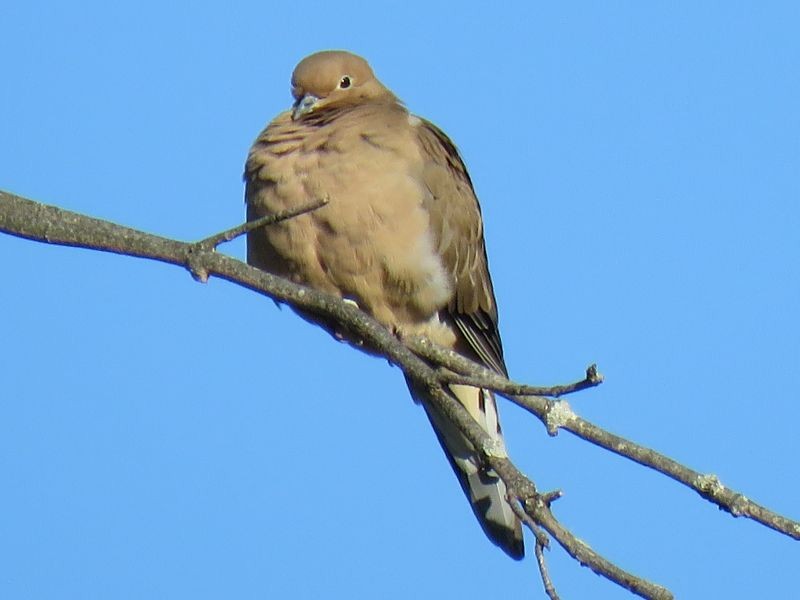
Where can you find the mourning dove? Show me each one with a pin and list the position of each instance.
(401, 237)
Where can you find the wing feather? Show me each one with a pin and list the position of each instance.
(457, 227)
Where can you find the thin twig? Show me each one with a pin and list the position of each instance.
(542, 541)
(585, 555)
(707, 485)
(455, 368)
(538, 532)
(228, 235)
(537, 506)
(549, 588)
(504, 386)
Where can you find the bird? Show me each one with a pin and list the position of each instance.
(400, 236)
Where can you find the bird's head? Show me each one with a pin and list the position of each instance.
(334, 78)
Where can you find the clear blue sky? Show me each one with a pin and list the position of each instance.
(639, 171)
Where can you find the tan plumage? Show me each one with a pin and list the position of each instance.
(401, 236)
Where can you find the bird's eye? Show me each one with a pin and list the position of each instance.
(344, 83)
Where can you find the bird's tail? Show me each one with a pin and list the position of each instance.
(484, 489)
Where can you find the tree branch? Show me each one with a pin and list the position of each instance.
(215, 240)
(557, 415)
(422, 362)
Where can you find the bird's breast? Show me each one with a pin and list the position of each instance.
(372, 242)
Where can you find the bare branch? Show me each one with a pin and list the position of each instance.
(455, 368)
(542, 542)
(504, 386)
(215, 240)
(707, 485)
(549, 588)
(424, 364)
(585, 555)
(557, 414)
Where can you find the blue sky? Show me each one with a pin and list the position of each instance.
(639, 171)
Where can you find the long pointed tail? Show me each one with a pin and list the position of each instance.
(484, 489)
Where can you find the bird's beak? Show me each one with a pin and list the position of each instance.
(304, 105)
